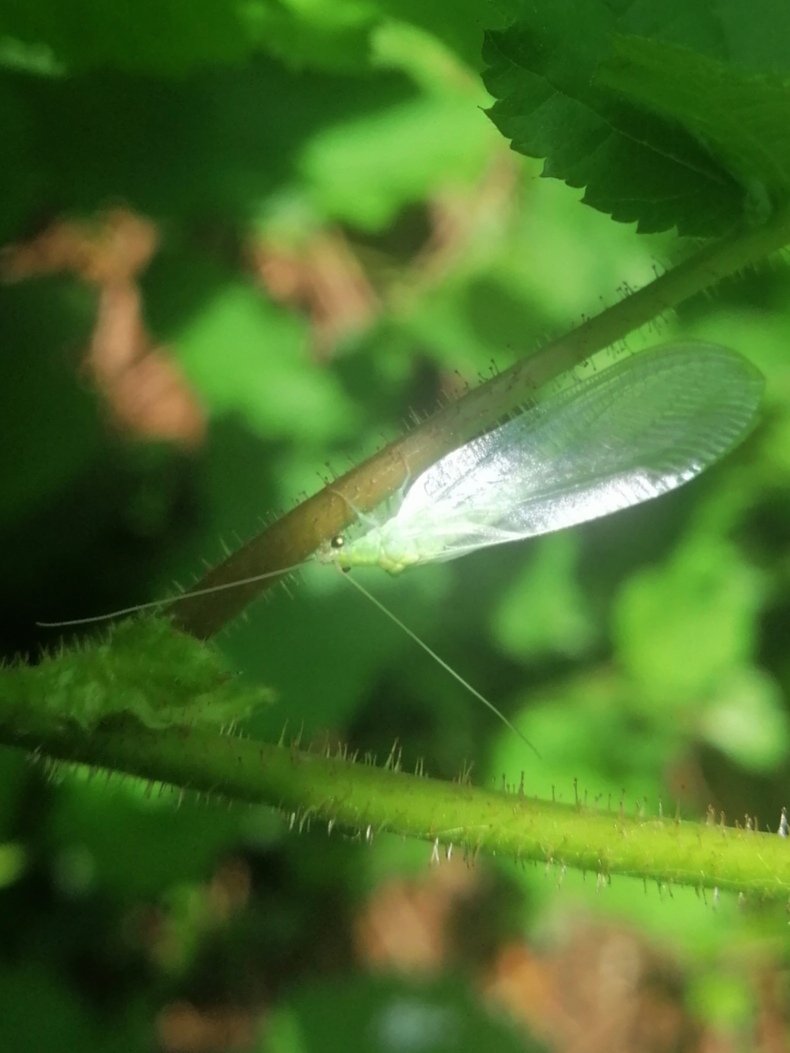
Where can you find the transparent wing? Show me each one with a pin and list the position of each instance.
(625, 435)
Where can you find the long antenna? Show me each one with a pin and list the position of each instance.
(456, 676)
(109, 615)
(208, 590)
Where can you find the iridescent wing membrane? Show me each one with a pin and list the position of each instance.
(625, 435)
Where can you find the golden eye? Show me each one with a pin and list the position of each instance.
(337, 541)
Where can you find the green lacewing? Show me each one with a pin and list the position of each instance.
(627, 434)
(619, 437)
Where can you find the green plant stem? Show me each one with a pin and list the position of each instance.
(294, 537)
(368, 799)
(313, 788)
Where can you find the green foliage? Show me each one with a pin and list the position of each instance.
(149, 37)
(559, 621)
(699, 609)
(41, 1010)
(741, 117)
(350, 1015)
(200, 109)
(645, 655)
(144, 669)
(261, 377)
(34, 383)
(717, 141)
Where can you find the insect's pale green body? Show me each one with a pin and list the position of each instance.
(624, 435)
(383, 546)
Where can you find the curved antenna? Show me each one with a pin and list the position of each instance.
(152, 604)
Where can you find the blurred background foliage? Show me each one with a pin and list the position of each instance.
(244, 244)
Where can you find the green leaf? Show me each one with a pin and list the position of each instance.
(742, 118)
(111, 843)
(261, 374)
(143, 669)
(43, 1008)
(364, 1013)
(683, 628)
(634, 166)
(460, 26)
(590, 745)
(173, 37)
(313, 34)
(149, 36)
(544, 611)
(365, 170)
(43, 326)
(747, 720)
(223, 139)
(19, 175)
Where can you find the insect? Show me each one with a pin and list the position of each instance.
(634, 431)
(630, 433)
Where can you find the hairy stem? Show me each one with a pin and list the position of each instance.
(324, 789)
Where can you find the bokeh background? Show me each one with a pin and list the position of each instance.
(244, 245)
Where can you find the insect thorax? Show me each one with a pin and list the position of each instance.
(375, 548)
